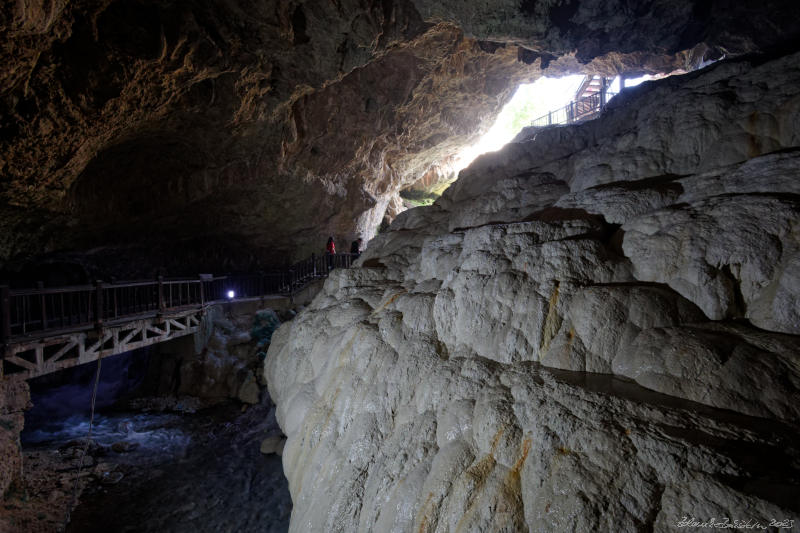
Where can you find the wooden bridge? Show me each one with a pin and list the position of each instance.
(45, 329)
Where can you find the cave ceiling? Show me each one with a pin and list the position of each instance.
(238, 134)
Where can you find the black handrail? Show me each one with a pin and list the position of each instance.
(576, 111)
(38, 310)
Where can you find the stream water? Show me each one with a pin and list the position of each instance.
(148, 437)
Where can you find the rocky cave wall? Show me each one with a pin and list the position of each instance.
(597, 329)
(221, 361)
(234, 134)
(14, 401)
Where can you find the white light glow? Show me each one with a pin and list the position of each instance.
(231, 294)
(633, 82)
(531, 101)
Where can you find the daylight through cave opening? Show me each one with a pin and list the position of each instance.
(549, 101)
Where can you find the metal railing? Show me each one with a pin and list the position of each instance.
(41, 310)
(577, 111)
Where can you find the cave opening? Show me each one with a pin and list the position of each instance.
(547, 102)
(530, 101)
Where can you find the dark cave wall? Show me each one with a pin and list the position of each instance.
(234, 134)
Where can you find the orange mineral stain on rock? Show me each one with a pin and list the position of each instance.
(526, 448)
(478, 475)
(426, 509)
(388, 302)
(496, 439)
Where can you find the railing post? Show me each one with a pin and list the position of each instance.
(98, 304)
(202, 293)
(161, 305)
(42, 304)
(602, 93)
(314, 265)
(5, 310)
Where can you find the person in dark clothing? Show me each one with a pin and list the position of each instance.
(355, 248)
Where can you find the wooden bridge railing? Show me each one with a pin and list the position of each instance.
(40, 310)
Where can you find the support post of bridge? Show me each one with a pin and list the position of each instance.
(5, 314)
(98, 304)
(603, 93)
(42, 304)
(291, 286)
(161, 306)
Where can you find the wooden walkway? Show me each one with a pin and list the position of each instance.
(43, 330)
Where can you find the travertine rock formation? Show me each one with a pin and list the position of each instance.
(594, 330)
(232, 134)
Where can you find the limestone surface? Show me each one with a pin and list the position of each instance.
(592, 330)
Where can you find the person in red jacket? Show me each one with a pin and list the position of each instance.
(330, 251)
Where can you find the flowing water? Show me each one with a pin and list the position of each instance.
(150, 437)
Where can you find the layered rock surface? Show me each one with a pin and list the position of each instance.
(594, 330)
(234, 134)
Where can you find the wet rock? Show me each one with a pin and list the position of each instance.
(111, 478)
(273, 445)
(104, 467)
(124, 446)
(249, 391)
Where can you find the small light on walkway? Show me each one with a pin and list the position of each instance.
(231, 294)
